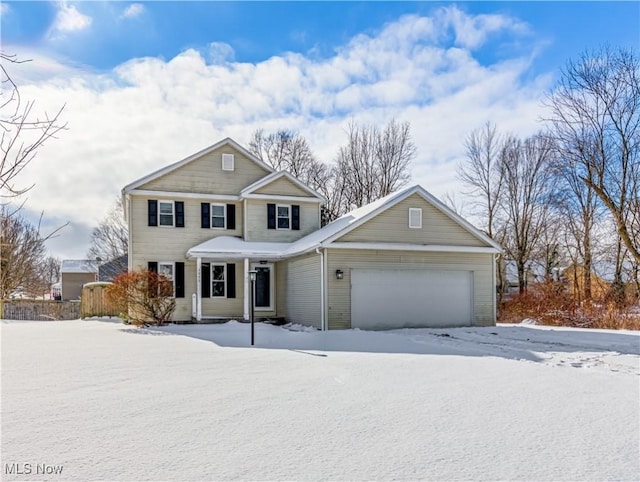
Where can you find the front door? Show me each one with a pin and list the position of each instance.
(263, 291)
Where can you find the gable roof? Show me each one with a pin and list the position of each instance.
(324, 236)
(172, 167)
(78, 266)
(274, 176)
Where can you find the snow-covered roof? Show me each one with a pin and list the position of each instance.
(78, 266)
(251, 188)
(228, 247)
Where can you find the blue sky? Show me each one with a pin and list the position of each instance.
(146, 84)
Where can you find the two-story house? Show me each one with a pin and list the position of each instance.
(404, 260)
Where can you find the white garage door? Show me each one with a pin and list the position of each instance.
(385, 299)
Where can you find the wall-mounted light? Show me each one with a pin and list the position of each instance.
(339, 274)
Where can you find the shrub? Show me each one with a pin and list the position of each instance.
(142, 297)
(550, 303)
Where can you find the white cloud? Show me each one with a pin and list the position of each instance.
(133, 10)
(4, 8)
(68, 19)
(150, 112)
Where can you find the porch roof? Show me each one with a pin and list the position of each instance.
(230, 247)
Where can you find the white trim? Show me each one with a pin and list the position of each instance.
(228, 158)
(199, 288)
(185, 195)
(419, 211)
(272, 287)
(412, 247)
(495, 300)
(211, 280)
(289, 216)
(172, 167)
(323, 289)
(224, 216)
(130, 231)
(265, 181)
(246, 289)
(281, 197)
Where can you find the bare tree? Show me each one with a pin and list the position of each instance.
(374, 163)
(23, 132)
(22, 253)
(595, 118)
(110, 240)
(526, 174)
(49, 273)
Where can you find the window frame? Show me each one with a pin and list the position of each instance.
(173, 213)
(173, 273)
(223, 281)
(224, 216)
(230, 158)
(278, 217)
(419, 226)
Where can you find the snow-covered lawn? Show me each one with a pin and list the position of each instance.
(110, 402)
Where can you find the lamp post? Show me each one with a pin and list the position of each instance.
(252, 278)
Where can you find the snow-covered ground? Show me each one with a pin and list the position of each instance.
(110, 402)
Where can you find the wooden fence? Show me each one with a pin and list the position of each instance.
(94, 302)
(39, 310)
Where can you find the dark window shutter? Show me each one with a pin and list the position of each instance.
(179, 214)
(231, 216)
(153, 266)
(153, 212)
(205, 277)
(205, 219)
(271, 216)
(179, 280)
(231, 280)
(295, 217)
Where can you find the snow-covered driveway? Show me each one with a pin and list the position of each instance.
(109, 402)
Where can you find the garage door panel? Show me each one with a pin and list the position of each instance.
(385, 299)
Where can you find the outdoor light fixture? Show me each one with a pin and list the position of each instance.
(339, 274)
(252, 278)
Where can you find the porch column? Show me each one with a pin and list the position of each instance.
(199, 289)
(246, 289)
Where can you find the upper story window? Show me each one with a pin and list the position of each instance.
(165, 213)
(218, 216)
(284, 216)
(228, 162)
(415, 218)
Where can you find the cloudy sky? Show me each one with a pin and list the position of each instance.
(147, 84)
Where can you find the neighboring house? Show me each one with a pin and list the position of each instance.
(404, 260)
(74, 273)
(109, 270)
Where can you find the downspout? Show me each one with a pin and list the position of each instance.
(323, 291)
(495, 288)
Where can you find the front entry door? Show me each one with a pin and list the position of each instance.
(263, 293)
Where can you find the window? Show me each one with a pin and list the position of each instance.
(166, 213)
(218, 280)
(415, 218)
(166, 269)
(218, 218)
(227, 162)
(284, 217)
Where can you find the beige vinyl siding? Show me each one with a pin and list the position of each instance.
(283, 187)
(303, 290)
(281, 294)
(170, 244)
(257, 222)
(339, 291)
(205, 175)
(392, 226)
(225, 307)
(72, 284)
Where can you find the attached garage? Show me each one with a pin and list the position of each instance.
(386, 299)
